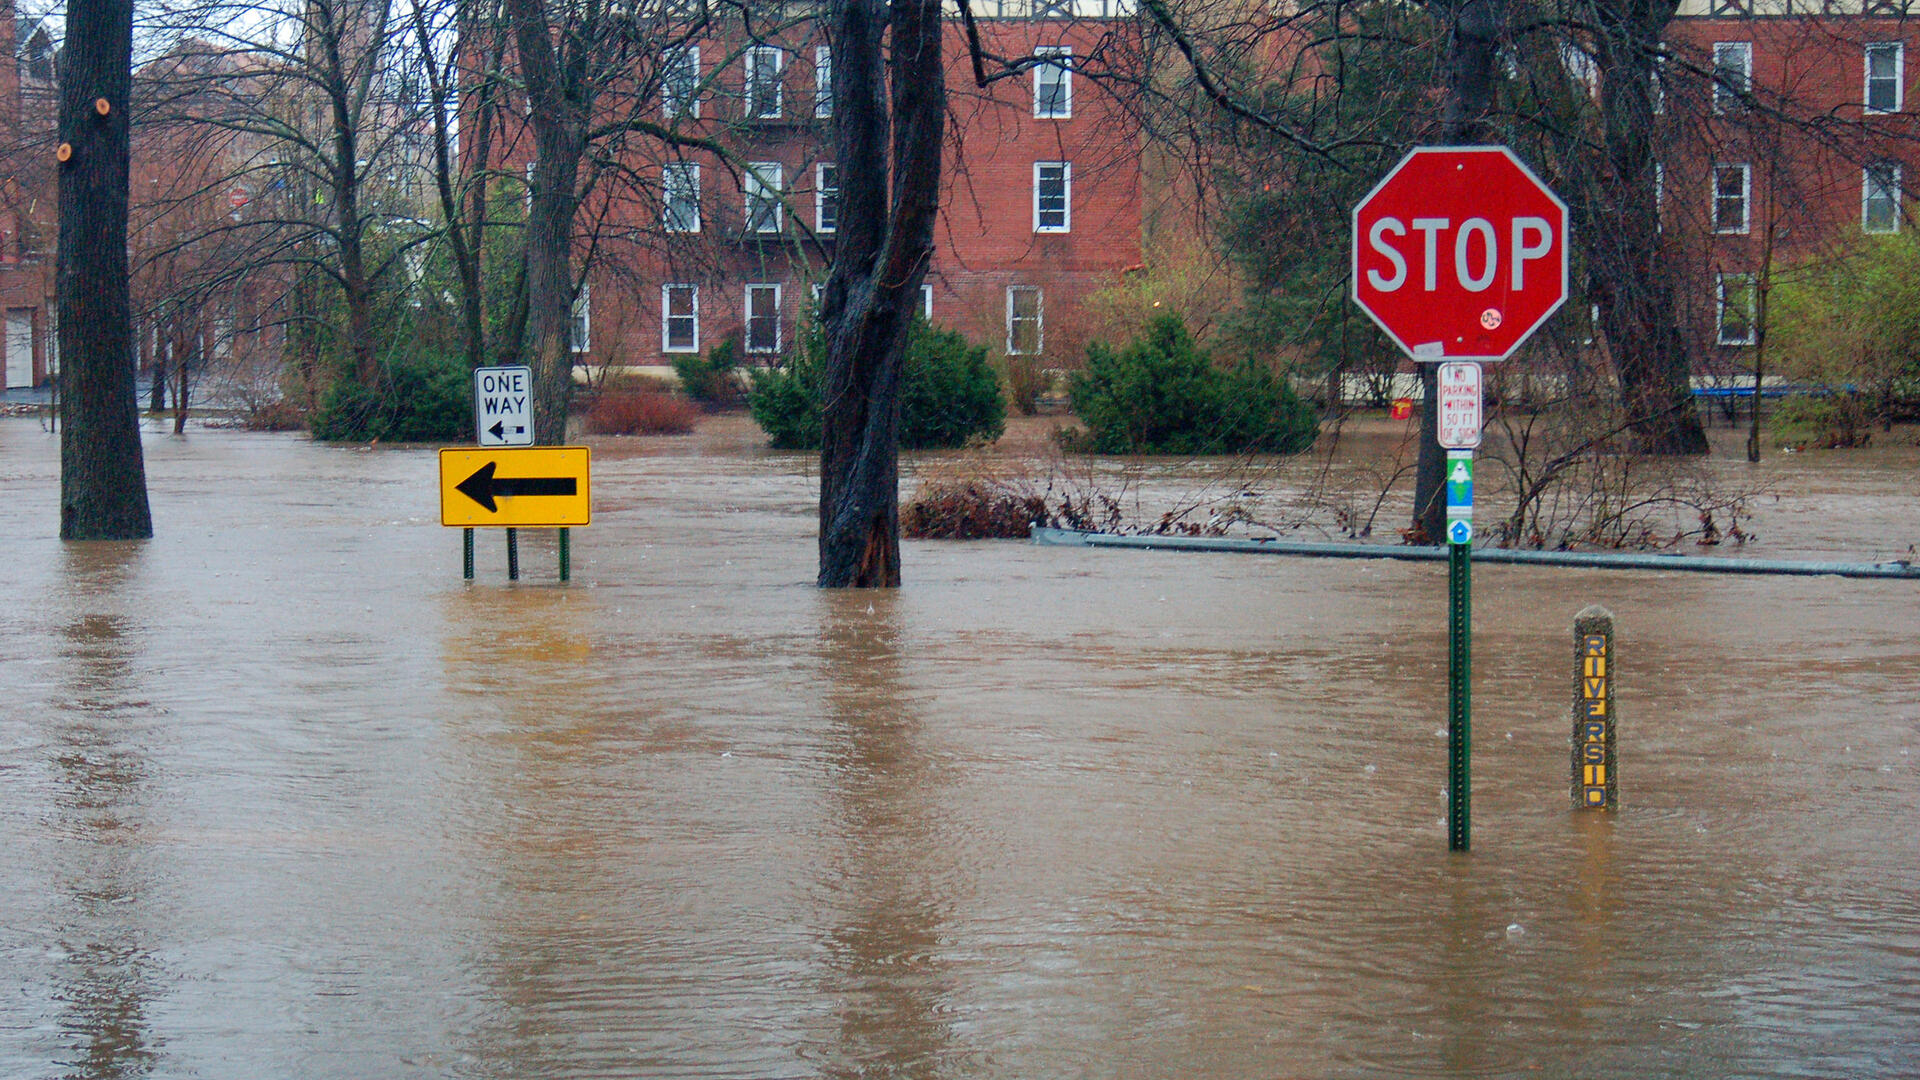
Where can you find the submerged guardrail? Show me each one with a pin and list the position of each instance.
(1595, 560)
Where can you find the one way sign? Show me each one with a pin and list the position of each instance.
(503, 406)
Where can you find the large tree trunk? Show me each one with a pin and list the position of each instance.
(1475, 27)
(1632, 286)
(559, 123)
(882, 251)
(103, 477)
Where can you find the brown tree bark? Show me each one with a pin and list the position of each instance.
(103, 480)
(1631, 284)
(1473, 46)
(559, 120)
(889, 92)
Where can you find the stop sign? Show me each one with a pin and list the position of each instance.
(1460, 253)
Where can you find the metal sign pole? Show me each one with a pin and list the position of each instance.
(1460, 648)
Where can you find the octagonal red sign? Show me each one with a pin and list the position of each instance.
(1460, 253)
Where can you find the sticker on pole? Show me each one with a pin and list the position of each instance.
(1461, 416)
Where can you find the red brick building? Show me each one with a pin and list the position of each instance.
(28, 207)
(1042, 201)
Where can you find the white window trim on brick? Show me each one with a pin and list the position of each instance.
(1039, 320)
(1060, 74)
(1065, 222)
(1744, 282)
(1898, 78)
(580, 322)
(926, 302)
(672, 78)
(747, 315)
(1721, 226)
(822, 172)
(1887, 187)
(680, 191)
(751, 89)
(823, 81)
(1726, 98)
(763, 183)
(667, 317)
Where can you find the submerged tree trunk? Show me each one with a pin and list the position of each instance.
(889, 110)
(103, 480)
(1632, 286)
(559, 124)
(1472, 48)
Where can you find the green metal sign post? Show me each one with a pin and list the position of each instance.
(1459, 649)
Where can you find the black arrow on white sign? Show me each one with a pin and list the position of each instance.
(483, 487)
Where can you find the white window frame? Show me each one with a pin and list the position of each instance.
(667, 317)
(1899, 77)
(1039, 320)
(679, 188)
(1887, 186)
(821, 172)
(764, 183)
(1728, 98)
(1720, 282)
(823, 81)
(580, 320)
(751, 88)
(746, 316)
(671, 79)
(1065, 224)
(1722, 227)
(1045, 73)
(926, 301)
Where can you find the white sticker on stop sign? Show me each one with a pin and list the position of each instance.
(1459, 396)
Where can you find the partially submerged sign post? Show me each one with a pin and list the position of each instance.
(514, 487)
(1459, 254)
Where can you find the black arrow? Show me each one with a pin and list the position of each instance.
(483, 486)
(498, 430)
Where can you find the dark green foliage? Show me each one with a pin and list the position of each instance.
(713, 379)
(949, 395)
(425, 398)
(1161, 394)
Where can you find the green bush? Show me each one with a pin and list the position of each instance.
(713, 379)
(1162, 394)
(424, 399)
(949, 395)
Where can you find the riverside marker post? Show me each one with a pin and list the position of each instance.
(1459, 254)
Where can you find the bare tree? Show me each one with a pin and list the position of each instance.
(103, 486)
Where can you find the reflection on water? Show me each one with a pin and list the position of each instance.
(99, 789)
(281, 795)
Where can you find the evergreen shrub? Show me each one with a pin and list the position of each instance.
(712, 380)
(424, 398)
(949, 395)
(1162, 394)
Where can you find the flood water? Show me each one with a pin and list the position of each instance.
(281, 796)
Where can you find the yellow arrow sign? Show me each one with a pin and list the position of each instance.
(534, 486)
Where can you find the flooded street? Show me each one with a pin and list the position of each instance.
(281, 796)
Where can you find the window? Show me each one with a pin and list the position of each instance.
(764, 180)
(762, 92)
(1053, 9)
(580, 326)
(680, 318)
(1734, 301)
(1732, 75)
(926, 302)
(763, 318)
(1053, 82)
(1880, 198)
(1052, 197)
(1024, 336)
(1731, 186)
(1884, 63)
(680, 197)
(826, 197)
(680, 83)
(823, 81)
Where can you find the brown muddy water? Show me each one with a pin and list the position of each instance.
(281, 796)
